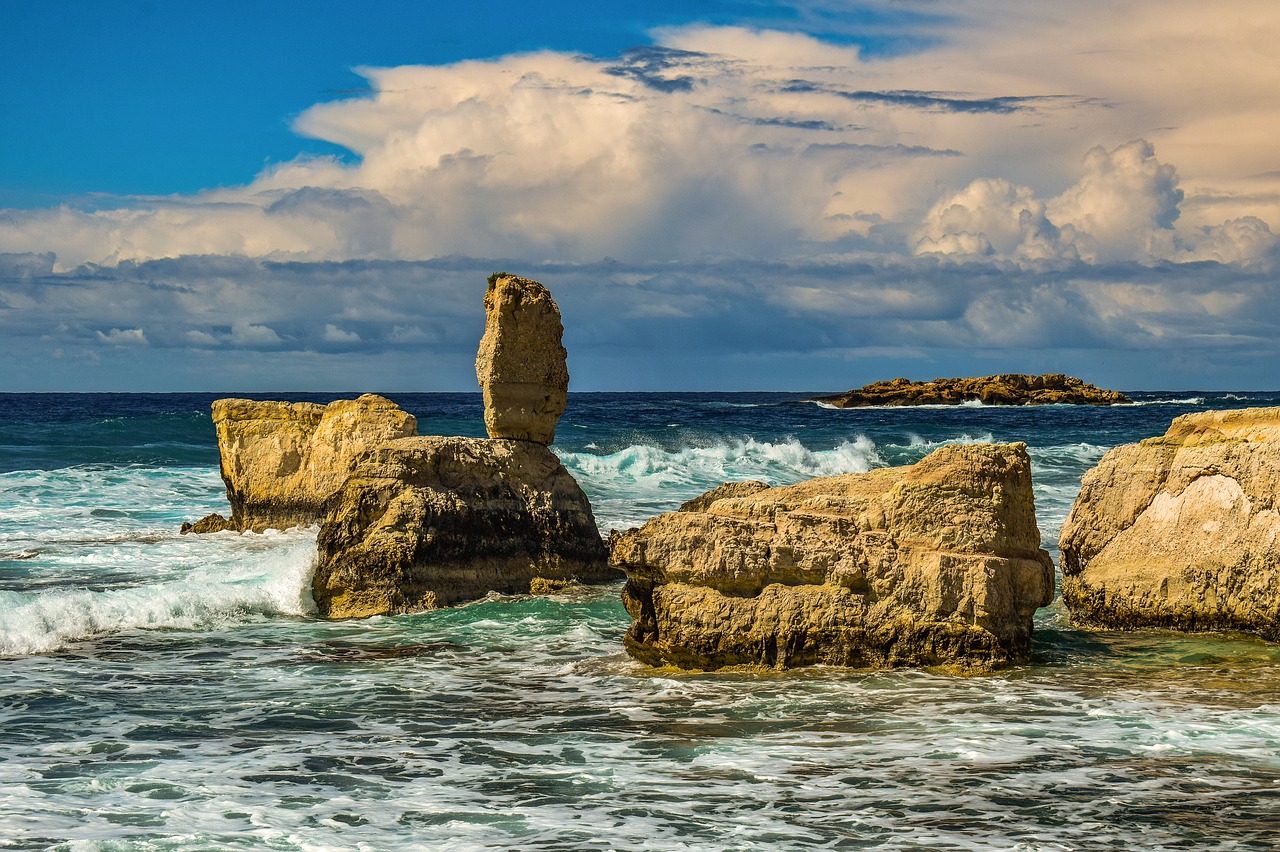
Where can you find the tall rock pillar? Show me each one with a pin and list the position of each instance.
(521, 364)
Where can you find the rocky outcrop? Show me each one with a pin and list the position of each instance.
(934, 564)
(282, 460)
(1181, 531)
(1004, 389)
(208, 524)
(428, 522)
(521, 363)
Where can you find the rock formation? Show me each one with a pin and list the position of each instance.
(935, 564)
(428, 522)
(282, 460)
(1004, 389)
(1181, 531)
(410, 523)
(521, 362)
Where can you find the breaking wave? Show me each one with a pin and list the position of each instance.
(244, 576)
(630, 485)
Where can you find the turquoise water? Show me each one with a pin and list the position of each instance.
(174, 692)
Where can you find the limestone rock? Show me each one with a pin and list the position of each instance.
(521, 364)
(1004, 389)
(208, 524)
(730, 489)
(1181, 531)
(427, 522)
(282, 460)
(934, 564)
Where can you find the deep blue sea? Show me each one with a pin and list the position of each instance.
(166, 692)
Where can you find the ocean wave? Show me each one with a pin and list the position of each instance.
(1190, 400)
(642, 480)
(242, 577)
(783, 461)
(915, 442)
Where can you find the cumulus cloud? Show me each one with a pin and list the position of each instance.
(123, 337)
(1123, 207)
(1121, 204)
(713, 141)
(333, 334)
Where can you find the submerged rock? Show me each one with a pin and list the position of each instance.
(428, 522)
(1181, 531)
(282, 460)
(521, 364)
(934, 564)
(1004, 389)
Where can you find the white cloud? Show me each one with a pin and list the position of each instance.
(199, 338)
(1123, 207)
(123, 337)
(728, 141)
(253, 336)
(1121, 204)
(333, 334)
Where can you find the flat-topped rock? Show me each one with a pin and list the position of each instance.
(428, 522)
(521, 364)
(1003, 389)
(1181, 531)
(282, 460)
(933, 564)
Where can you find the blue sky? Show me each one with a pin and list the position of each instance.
(721, 195)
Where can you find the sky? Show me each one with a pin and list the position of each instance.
(733, 195)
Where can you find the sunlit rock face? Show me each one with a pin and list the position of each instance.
(1181, 531)
(933, 564)
(427, 522)
(521, 364)
(282, 460)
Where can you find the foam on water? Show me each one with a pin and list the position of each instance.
(1190, 400)
(629, 486)
(228, 583)
(90, 551)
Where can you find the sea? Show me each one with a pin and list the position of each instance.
(170, 692)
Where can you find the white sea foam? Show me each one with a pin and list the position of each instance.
(641, 480)
(1190, 400)
(103, 555)
(914, 441)
(229, 579)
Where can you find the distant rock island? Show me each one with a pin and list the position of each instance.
(1003, 389)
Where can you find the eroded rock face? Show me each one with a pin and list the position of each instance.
(1181, 531)
(521, 364)
(1003, 389)
(282, 460)
(427, 522)
(934, 564)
